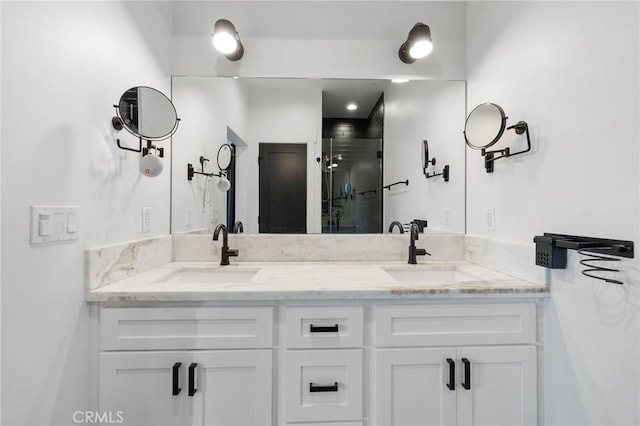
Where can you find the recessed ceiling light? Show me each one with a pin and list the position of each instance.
(399, 80)
(352, 107)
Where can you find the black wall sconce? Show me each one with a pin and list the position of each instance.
(485, 126)
(226, 40)
(418, 44)
(426, 161)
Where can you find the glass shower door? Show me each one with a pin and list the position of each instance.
(351, 185)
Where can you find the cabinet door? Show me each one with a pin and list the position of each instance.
(137, 388)
(234, 388)
(411, 387)
(502, 386)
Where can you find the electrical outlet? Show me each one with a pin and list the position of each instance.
(187, 217)
(447, 217)
(490, 219)
(215, 215)
(146, 219)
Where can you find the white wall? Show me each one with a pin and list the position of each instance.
(206, 107)
(1, 214)
(571, 71)
(320, 39)
(432, 110)
(286, 115)
(64, 66)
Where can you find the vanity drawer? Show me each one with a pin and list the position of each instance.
(323, 327)
(186, 328)
(459, 324)
(323, 386)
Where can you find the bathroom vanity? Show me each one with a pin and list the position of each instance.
(348, 343)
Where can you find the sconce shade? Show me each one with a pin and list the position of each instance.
(226, 40)
(418, 44)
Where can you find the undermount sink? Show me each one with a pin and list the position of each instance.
(209, 276)
(417, 274)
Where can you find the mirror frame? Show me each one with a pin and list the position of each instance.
(174, 128)
(503, 126)
(425, 157)
(230, 148)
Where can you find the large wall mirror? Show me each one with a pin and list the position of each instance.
(315, 155)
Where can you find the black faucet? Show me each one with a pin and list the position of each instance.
(238, 227)
(398, 224)
(413, 251)
(226, 252)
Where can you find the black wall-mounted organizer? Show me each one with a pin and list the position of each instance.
(551, 252)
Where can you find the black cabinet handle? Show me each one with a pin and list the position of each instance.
(323, 329)
(192, 378)
(176, 379)
(330, 388)
(467, 374)
(452, 374)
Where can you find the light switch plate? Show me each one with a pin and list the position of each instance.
(50, 224)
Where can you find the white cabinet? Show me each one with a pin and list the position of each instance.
(212, 388)
(323, 385)
(406, 364)
(491, 385)
(230, 387)
(233, 388)
(322, 375)
(137, 387)
(428, 386)
(411, 387)
(502, 386)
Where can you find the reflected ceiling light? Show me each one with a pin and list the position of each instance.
(399, 80)
(226, 40)
(352, 107)
(418, 44)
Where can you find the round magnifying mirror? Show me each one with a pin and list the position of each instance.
(425, 156)
(347, 188)
(484, 126)
(147, 113)
(225, 154)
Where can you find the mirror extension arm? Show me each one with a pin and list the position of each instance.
(490, 156)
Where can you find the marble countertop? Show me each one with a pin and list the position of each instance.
(252, 281)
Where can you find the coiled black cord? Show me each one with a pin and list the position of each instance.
(592, 257)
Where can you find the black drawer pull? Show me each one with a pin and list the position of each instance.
(176, 379)
(192, 378)
(323, 329)
(452, 374)
(467, 374)
(330, 388)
